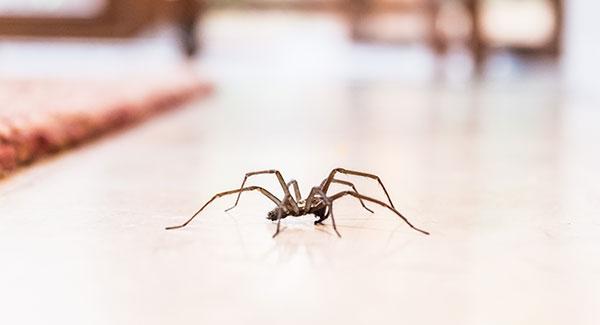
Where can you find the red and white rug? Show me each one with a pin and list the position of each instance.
(42, 117)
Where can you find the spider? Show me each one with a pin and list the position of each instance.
(317, 203)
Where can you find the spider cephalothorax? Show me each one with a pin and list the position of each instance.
(316, 203)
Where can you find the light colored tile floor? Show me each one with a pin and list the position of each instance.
(505, 180)
(504, 175)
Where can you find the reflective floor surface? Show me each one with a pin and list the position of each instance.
(504, 178)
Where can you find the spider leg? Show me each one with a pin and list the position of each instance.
(243, 189)
(366, 198)
(351, 185)
(329, 212)
(282, 205)
(331, 176)
(288, 197)
(271, 171)
(309, 200)
(296, 189)
(278, 222)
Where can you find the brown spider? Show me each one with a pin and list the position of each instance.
(317, 202)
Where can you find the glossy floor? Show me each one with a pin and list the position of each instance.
(505, 179)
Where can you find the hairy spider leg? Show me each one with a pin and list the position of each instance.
(347, 184)
(366, 198)
(279, 178)
(331, 176)
(243, 189)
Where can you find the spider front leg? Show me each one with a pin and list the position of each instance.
(243, 189)
(366, 198)
(331, 176)
(280, 216)
(287, 200)
(330, 210)
(271, 171)
(309, 202)
(286, 205)
(347, 184)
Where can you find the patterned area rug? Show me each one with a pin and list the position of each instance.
(42, 117)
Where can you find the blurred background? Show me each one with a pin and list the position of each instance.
(420, 40)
